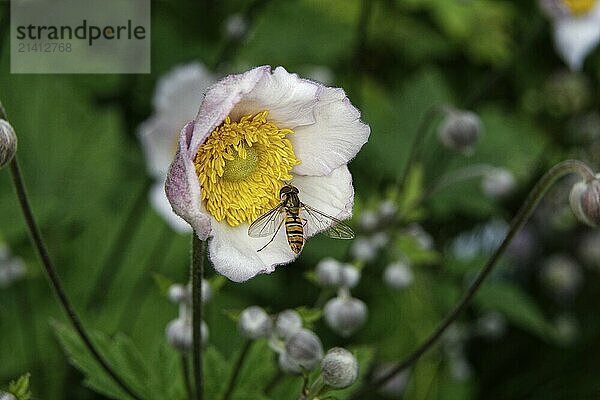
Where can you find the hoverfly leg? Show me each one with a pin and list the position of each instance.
(272, 238)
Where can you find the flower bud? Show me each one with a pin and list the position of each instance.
(328, 272)
(363, 249)
(254, 323)
(339, 368)
(498, 183)
(585, 201)
(492, 325)
(398, 275)
(368, 220)
(178, 294)
(180, 336)
(236, 26)
(387, 209)
(350, 276)
(7, 396)
(561, 275)
(589, 249)
(303, 350)
(345, 315)
(288, 322)
(8, 143)
(460, 130)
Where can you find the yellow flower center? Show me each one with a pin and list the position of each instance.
(241, 167)
(579, 7)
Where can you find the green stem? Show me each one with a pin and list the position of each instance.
(185, 370)
(53, 277)
(415, 150)
(198, 256)
(460, 175)
(535, 196)
(237, 369)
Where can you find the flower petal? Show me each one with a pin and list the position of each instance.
(576, 37)
(334, 139)
(331, 194)
(288, 98)
(234, 254)
(161, 205)
(220, 99)
(158, 143)
(180, 92)
(183, 189)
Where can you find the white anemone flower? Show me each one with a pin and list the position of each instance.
(175, 102)
(576, 26)
(255, 132)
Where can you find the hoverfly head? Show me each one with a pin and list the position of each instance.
(286, 190)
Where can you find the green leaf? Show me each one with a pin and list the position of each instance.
(309, 315)
(516, 305)
(119, 352)
(20, 388)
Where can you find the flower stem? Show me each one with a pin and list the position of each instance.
(415, 149)
(534, 197)
(198, 256)
(460, 175)
(185, 370)
(237, 369)
(53, 277)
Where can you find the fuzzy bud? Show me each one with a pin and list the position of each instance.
(387, 209)
(178, 294)
(498, 183)
(255, 323)
(7, 396)
(350, 276)
(180, 336)
(328, 272)
(288, 322)
(363, 249)
(345, 315)
(460, 130)
(398, 275)
(8, 143)
(303, 350)
(368, 221)
(339, 368)
(585, 201)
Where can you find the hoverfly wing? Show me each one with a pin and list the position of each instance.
(268, 223)
(326, 224)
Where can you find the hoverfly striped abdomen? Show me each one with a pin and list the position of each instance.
(294, 230)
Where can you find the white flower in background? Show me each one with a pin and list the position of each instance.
(255, 323)
(11, 268)
(363, 249)
(179, 333)
(576, 25)
(176, 100)
(498, 183)
(345, 314)
(328, 272)
(287, 323)
(254, 132)
(350, 276)
(236, 26)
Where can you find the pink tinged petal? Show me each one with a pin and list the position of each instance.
(288, 98)
(158, 139)
(183, 189)
(161, 205)
(576, 37)
(334, 139)
(331, 194)
(234, 254)
(220, 99)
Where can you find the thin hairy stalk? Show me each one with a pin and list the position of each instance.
(54, 279)
(185, 371)
(117, 251)
(534, 197)
(415, 149)
(198, 257)
(237, 368)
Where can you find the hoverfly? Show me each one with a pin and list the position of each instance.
(288, 212)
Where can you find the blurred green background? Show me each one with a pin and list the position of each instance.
(396, 59)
